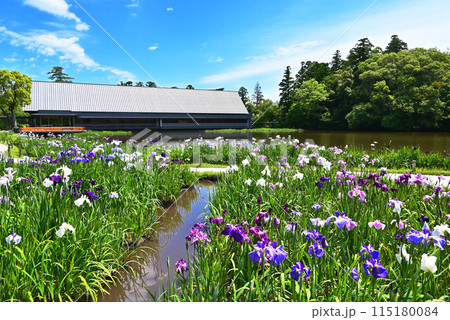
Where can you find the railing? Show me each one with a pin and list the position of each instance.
(51, 129)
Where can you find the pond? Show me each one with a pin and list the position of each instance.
(169, 243)
(431, 141)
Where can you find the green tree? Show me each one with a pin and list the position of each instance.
(125, 84)
(287, 88)
(360, 53)
(340, 87)
(150, 84)
(265, 114)
(403, 91)
(311, 70)
(257, 96)
(139, 84)
(15, 91)
(396, 45)
(309, 110)
(189, 86)
(336, 62)
(58, 75)
(243, 93)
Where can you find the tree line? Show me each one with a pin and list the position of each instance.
(372, 89)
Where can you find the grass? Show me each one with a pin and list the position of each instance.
(80, 264)
(223, 267)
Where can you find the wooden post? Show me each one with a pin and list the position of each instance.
(414, 166)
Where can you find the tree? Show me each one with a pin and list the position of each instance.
(243, 93)
(150, 84)
(287, 88)
(396, 45)
(125, 84)
(139, 84)
(360, 53)
(265, 114)
(311, 70)
(403, 91)
(58, 75)
(257, 95)
(15, 91)
(189, 86)
(309, 110)
(336, 62)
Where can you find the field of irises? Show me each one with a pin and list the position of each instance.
(290, 221)
(73, 210)
(299, 222)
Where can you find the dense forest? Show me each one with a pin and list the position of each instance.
(372, 89)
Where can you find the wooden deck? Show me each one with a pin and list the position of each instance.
(53, 129)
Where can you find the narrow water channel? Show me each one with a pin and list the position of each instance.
(175, 223)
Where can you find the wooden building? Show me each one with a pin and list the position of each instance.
(111, 107)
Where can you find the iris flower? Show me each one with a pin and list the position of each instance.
(297, 270)
(375, 268)
(353, 274)
(181, 266)
(82, 200)
(316, 250)
(428, 263)
(377, 225)
(374, 254)
(14, 238)
(63, 228)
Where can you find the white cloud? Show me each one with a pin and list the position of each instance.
(169, 9)
(67, 49)
(59, 8)
(218, 59)
(82, 27)
(133, 4)
(10, 59)
(153, 47)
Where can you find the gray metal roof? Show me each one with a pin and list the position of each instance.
(78, 97)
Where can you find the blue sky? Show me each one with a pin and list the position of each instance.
(206, 43)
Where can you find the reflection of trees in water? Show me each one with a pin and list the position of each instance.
(147, 268)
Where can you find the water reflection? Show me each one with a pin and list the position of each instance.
(431, 141)
(151, 260)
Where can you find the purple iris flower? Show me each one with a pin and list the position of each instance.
(319, 185)
(270, 253)
(291, 227)
(217, 220)
(196, 235)
(236, 232)
(375, 268)
(415, 236)
(90, 195)
(297, 270)
(286, 208)
(262, 216)
(259, 200)
(316, 250)
(275, 255)
(374, 254)
(181, 266)
(258, 254)
(316, 206)
(353, 274)
(257, 231)
(312, 235)
(323, 179)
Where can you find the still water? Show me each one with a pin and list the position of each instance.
(431, 141)
(174, 225)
